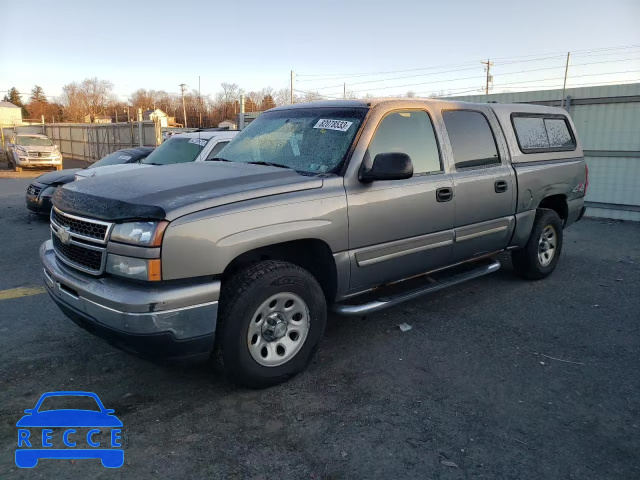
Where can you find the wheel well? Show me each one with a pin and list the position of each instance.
(311, 254)
(557, 203)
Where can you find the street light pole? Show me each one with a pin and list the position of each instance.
(184, 110)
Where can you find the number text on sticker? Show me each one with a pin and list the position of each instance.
(340, 125)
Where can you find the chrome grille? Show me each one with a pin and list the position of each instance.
(83, 227)
(80, 242)
(83, 258)
(39, 154)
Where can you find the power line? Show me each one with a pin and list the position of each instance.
(540, 55)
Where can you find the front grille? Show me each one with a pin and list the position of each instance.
(78, 256)
(33, 190)
(86, 228)
(39, 154)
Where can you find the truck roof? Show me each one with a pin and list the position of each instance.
(404, 102)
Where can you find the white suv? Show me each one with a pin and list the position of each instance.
(33, 150)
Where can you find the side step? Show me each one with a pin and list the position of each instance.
(446, 279)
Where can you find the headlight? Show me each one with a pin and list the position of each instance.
(147, 234)
(135, 268)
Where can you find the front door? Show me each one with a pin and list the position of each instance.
(483, 184)
(399, 228)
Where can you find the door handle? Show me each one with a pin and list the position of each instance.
(444, 194)
(501, 186)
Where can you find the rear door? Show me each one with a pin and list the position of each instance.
(483, 183)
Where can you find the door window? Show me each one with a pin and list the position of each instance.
(471, 139)
(410, 132)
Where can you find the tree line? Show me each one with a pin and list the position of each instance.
(93, 98)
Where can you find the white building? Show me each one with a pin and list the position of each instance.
(156, 115)
(10, 114)
(228, 124)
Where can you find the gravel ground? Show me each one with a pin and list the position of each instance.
(471, 391)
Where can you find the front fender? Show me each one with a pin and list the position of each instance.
(204, 243)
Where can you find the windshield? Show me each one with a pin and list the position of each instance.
(176, 150)
(67, 402)
(115, 158)
(33, 141)
(309, 140)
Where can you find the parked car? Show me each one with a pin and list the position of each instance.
(180, 148)
(32, 150)
(352, 206)
(42, 189)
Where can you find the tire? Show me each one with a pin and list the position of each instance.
(246, 317)
(532, 262)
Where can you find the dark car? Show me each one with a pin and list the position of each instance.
(42, 189)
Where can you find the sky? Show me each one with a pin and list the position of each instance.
(160, 44)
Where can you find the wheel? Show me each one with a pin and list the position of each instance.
(540, 255)
(271, 319)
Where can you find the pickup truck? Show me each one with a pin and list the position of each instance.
(344, 206)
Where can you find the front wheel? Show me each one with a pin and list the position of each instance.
(271, 319)
(540, 255)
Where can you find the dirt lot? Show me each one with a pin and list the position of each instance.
(470, 392)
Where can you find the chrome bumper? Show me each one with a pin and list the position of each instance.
(183, 310)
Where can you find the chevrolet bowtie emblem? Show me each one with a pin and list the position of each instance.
(64, 235)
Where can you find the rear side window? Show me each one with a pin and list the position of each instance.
(540, 133)
(471, 138)
(410, 132)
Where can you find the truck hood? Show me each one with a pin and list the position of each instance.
(98, 171)
(170, 191)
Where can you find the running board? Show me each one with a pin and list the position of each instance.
(392, 300)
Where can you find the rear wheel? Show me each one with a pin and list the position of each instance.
(271, 319)
(540, 255)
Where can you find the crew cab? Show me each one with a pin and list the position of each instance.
(350, 206)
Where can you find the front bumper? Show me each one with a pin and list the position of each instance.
(39, 162)
(164, 320)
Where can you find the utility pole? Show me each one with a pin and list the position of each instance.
(292, 74)
(489, 78)
(199, 103)
(564, 85)
(344, 90)
(184, 110)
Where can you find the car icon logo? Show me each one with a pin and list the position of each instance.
(64, 234)
(79, 433)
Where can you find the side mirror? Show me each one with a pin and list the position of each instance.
(387, 166)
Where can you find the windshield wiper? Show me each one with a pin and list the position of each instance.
(270, 164)
(217, 159)
(151, 163)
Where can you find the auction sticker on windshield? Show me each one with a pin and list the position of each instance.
(339, 125)
(198, 141)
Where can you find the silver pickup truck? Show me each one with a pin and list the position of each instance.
(348, 206)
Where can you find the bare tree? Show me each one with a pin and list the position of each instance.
(90, 97)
